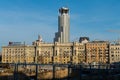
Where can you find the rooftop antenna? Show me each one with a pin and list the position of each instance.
(65, 4)
(117, 32)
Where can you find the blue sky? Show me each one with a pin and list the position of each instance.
(23, 20)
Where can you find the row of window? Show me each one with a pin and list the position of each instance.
(10, 49)
(115, 51)
(12, 52)
(117, 48)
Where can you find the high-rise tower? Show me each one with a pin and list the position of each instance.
(63, 33)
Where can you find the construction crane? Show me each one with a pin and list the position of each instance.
(115, 31)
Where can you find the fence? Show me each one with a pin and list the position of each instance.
(24, 71)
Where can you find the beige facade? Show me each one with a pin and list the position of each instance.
(62, 53)
(17, 54)
(44, 53)
(97, 51)
(114, 50)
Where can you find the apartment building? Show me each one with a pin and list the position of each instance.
(114, 50)
(97, 52)
(62, 53)
(44, 53)
(16, 52)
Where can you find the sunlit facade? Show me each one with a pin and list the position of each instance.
(97, 52)
(18, 54)
(114, 51)
(44, 53)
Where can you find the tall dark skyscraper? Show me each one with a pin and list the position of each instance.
(63, 34)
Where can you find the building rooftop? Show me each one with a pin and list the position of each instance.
(99, 41)
(64, 10)
(15, 44)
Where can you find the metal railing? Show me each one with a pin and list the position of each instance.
(82, 70)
